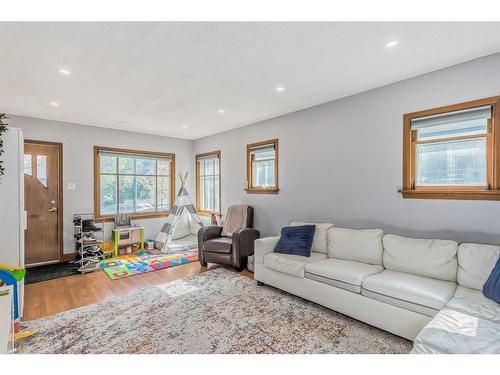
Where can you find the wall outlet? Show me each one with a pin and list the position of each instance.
(70, 186)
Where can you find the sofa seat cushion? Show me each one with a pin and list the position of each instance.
(412, 292)
(345, 274)
(473, 302)
(293, 265)
(221, 245)
(452, 331)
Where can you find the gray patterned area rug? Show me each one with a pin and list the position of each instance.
(215, 312)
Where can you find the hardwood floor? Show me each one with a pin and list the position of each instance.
(54, 296)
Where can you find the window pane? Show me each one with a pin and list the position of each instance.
(263, 173)
(141, 183)
(108, 195)
(108, 163)
(146, 192)
(164, 167)
(126, 165)
(41, 169)
(145, 166)
(216, 196)
(28, 167)
(209, 184)
(470, 121)
(264, 153)
(163, 193)
(127, 194)
(216, 165)
(452, 163)
(207, 194)
(457, 129)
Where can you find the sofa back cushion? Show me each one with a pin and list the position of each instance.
(361, 245)
(319, 239)
(475, 262)
(431, 258)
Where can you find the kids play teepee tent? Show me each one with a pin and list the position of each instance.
(180, 232)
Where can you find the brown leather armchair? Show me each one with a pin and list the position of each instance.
(234, 250)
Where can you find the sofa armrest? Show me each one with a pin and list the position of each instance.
(264, 246)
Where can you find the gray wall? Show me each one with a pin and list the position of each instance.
(78, 142)
(341, 162)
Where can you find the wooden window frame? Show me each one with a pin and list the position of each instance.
(97, 181)
(197, 169)
(259, 189)
(489, 192)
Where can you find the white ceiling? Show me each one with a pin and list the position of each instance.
(172, 78)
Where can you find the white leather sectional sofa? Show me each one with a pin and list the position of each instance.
(424, 290)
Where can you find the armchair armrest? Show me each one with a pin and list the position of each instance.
(207, 233)
(243, 243)
(264, 246)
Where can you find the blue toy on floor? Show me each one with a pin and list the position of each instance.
(9, 279)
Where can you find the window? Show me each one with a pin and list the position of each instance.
(208, 183)
(451, 152)
(41, 169)
(134, 182)
(262, 167)
(28, 167)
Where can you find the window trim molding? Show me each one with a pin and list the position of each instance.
(97, 181)
(197, 173)
(249, 188)
(490, 192)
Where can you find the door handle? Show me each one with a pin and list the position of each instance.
(52, 209)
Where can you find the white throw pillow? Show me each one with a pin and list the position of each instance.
(360, 245)
(475, 262)
(319, 239)
(425, 257)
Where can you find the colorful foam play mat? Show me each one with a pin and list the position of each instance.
(144, 261)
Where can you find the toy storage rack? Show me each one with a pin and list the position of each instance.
(78, 230)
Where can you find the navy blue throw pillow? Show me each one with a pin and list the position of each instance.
(296, 240)
(491, 288)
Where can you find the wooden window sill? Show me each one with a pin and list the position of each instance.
(262, 191)
(208, 213)
(150, 215)
(489, 195)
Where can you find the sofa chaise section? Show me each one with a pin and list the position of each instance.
(469, 322)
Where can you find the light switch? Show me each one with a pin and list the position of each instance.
(70, 186)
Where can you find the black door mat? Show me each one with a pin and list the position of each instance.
(50, 272)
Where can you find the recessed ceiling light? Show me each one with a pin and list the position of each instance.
(54, 104)
(184, 127)
(64, 71)
(221, 111)
(280, 88)
(392, 43)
